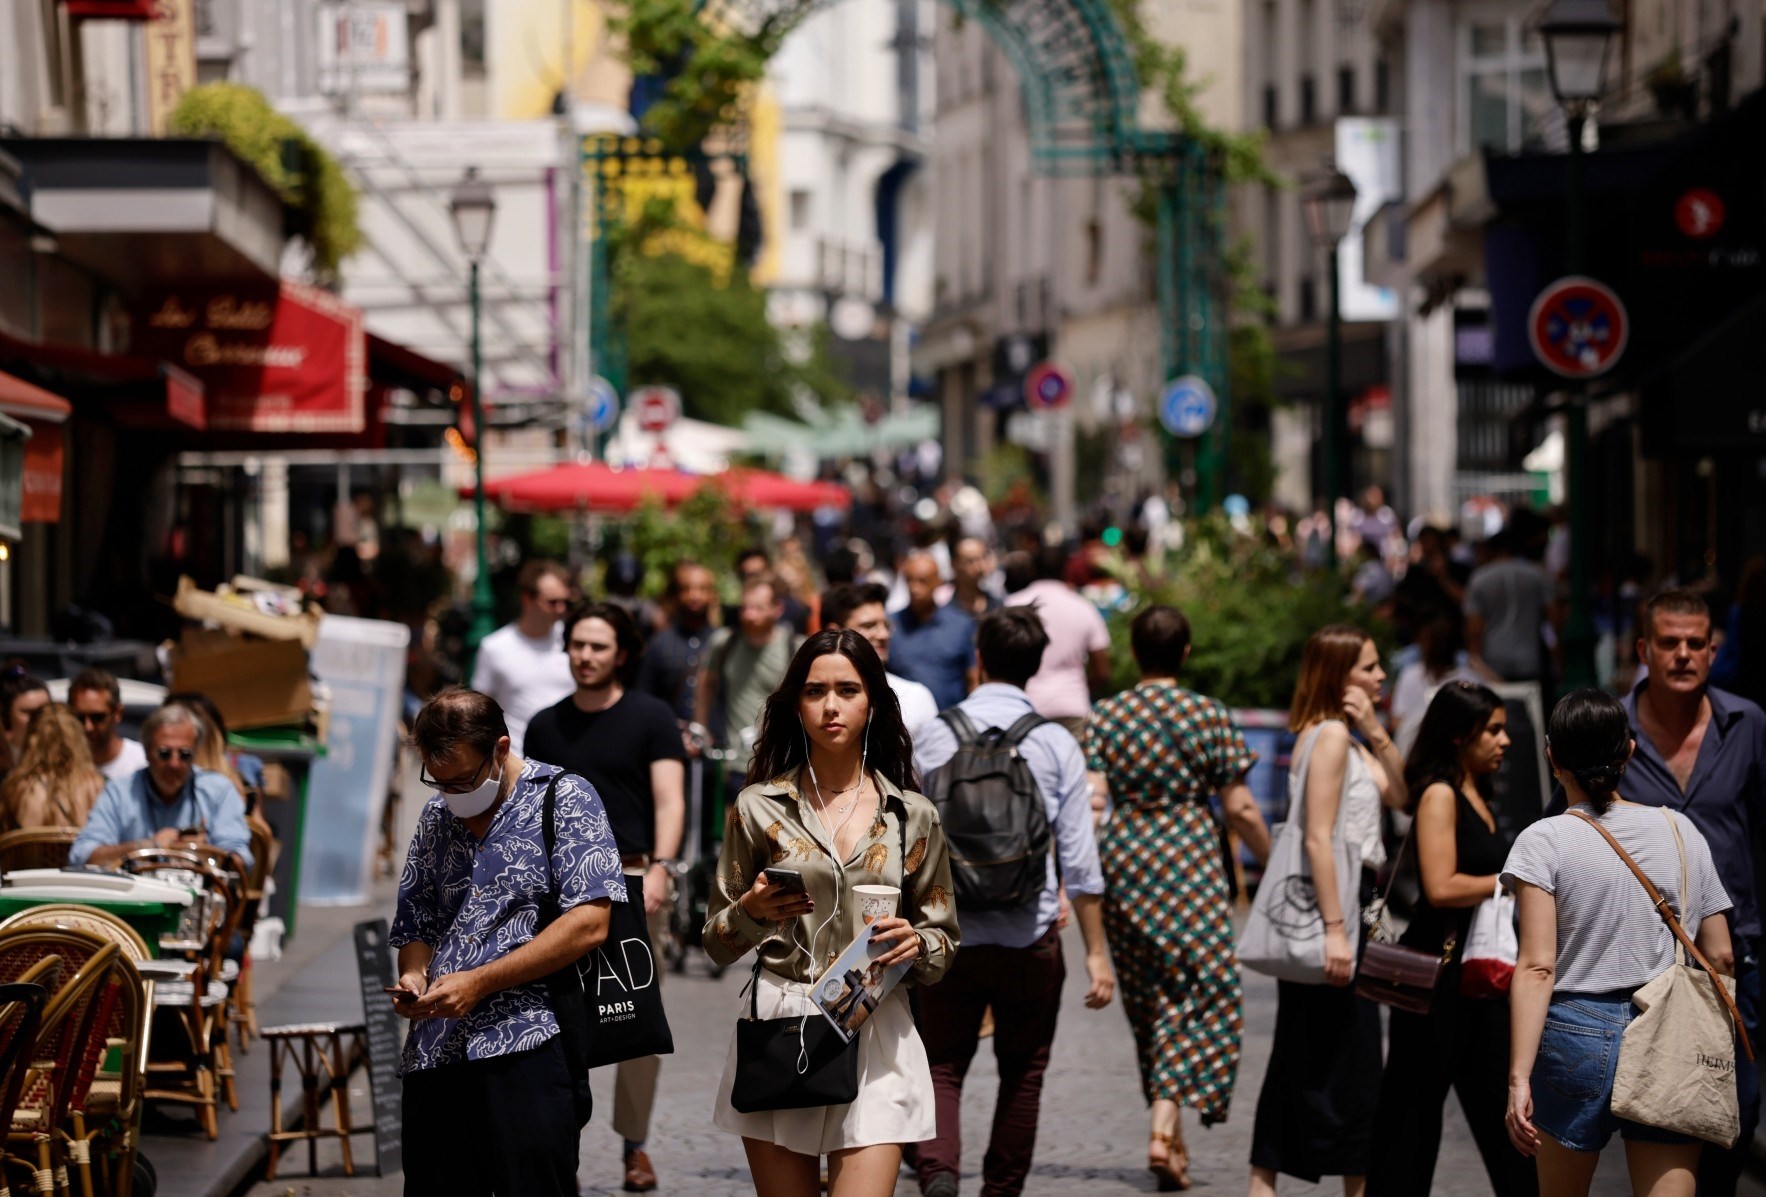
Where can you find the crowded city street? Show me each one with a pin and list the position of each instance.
(882, 598)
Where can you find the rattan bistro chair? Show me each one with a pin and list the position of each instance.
(36, 848)
(104, 1105)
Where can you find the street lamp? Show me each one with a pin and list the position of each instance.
(473, 207)
(1329, 205)
(1578, 37)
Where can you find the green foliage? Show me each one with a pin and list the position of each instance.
(1005, 473)
(707, 337)
(706, 528)
(308, 179)
(707, 67)
(1249, 615)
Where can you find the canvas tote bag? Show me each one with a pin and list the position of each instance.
(1284, 937)
(1677, 1058)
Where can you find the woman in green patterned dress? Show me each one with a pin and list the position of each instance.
(1164, 751)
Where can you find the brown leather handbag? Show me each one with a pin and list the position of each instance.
(1390, 973)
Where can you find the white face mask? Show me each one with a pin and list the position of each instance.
(476, 801)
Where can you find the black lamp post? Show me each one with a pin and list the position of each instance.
(474, 207)
(1578, 37)
(1329, 204)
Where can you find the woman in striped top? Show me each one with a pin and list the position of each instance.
(1589, 940)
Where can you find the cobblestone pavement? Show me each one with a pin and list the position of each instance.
(1093, 1131)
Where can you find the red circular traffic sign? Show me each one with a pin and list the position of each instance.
(1048, 386)
(1578, 327)
(657, 407)
(1700, 213)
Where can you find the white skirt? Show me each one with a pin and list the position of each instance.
(894, 1103)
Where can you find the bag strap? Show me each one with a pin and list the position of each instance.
(548, 904)
(960, 726)
(1015, 734)
(1659, 900)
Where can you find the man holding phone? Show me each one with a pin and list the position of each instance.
(169, 802)
(493, 1103)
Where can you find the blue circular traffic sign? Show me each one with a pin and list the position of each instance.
(1187, 406)
(602, 406)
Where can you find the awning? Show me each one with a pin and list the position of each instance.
(137, 392)
(27, 402)
(392, 364)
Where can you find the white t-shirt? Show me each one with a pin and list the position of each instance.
(126, 763)
(525, 676)
(918, 707)
(1609, 937)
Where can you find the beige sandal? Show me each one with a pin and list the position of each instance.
(1172, 1172)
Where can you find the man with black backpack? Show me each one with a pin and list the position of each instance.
(1013, 798)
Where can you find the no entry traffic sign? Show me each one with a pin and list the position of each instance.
(1048, 386)
(657, 407)
(1578, 327)
(1187, 406)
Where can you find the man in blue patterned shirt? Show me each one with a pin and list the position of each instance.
(491, 1105)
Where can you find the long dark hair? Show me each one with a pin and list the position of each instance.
(1590, 739)
(1458, 712)
(781, 747)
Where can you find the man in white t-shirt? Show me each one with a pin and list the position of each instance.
(522, 664)
(1078, 655)
(97, 702)
(861, 607)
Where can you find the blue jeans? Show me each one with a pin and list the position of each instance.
(1719, 1170)
(1573, 1076)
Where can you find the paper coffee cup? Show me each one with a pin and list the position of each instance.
(876, 901)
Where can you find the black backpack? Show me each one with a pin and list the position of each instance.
(993, 815)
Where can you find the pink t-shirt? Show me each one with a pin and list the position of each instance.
(1076, 630)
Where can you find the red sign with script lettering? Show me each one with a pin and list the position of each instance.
(287, 360)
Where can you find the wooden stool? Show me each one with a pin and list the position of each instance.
(317, 1049)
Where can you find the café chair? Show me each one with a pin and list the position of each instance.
(36, 848)
(318, 1051)
(21, 1013)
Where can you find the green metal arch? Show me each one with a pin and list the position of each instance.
(1074, 65)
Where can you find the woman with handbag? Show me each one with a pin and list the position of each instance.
(1315, 1114)
(1461, 1043)
(1163, 751)
(830, 805)
(1591, 938)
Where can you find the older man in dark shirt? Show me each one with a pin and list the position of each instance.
(1702, 751)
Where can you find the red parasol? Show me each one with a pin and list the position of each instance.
(593, 486)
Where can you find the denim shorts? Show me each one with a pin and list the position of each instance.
(1573, 1075)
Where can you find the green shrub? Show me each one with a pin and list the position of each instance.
(308, 178)
(1249, 611)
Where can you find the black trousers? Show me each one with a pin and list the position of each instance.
(1461, 1044)
(507, 1126)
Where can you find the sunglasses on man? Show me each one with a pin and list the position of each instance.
(184, 754)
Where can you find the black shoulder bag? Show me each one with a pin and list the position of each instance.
(800, 1062)
(608, 1004)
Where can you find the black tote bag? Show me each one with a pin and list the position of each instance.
(608, 1004)
(794, 1063)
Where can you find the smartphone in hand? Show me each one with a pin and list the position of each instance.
(786, 879)
(400, 994)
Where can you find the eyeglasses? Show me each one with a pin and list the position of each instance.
(184, 754)
(454, 785)
(93, 718)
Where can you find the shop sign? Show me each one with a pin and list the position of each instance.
(41, 501)
(171, 59)
(287, 360)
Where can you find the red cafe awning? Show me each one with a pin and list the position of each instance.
(44, 413)
(138, 392)
(593, 486)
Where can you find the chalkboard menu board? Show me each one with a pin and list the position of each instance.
(374, 965)
(1523, 785)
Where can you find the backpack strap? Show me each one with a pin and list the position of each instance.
(960, 726)
(1659, 900)
(1016, 734)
